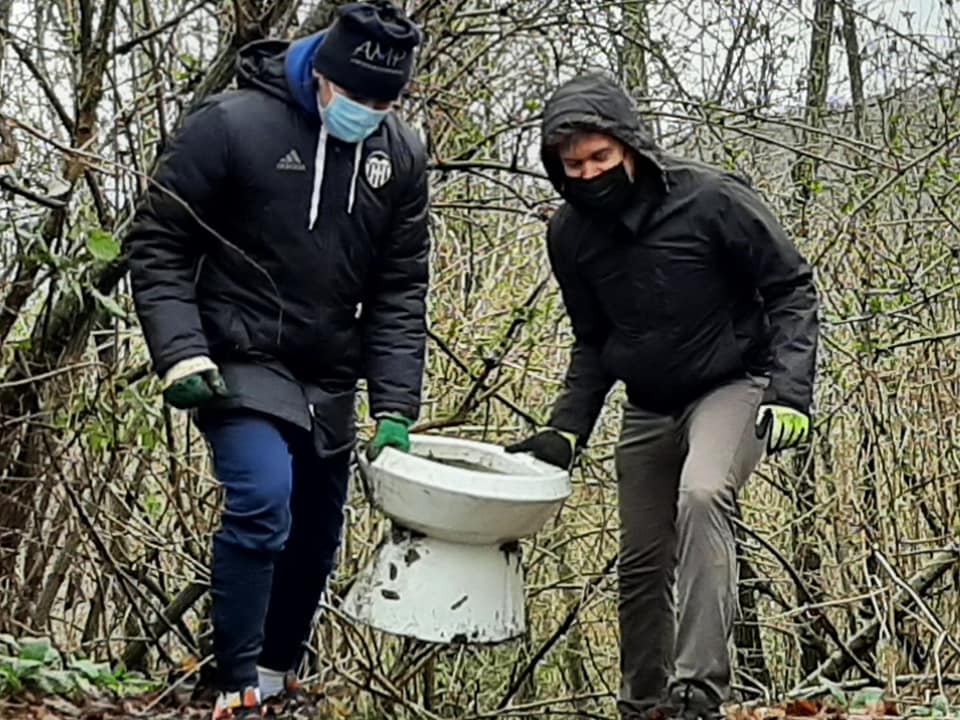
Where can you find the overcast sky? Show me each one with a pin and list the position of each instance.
(878, 23)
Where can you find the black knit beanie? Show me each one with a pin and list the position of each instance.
(368, 50)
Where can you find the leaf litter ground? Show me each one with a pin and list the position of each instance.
(867, 704)
(148, 706)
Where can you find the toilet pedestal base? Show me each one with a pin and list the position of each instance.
(442, 592)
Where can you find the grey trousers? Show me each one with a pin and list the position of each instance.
(678, 479)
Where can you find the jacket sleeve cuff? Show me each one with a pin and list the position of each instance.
(407, 413)
(397, 417)
(775, 395)
(570, 437)
(184, 368)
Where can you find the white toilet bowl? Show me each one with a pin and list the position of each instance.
(450, 570)
(465, 491)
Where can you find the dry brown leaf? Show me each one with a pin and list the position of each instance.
(803, 708)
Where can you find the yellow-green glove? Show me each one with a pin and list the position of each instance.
(784, 427)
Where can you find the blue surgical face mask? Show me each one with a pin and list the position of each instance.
(349, 120)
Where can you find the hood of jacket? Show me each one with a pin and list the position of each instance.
(283, 69)
(593, 101)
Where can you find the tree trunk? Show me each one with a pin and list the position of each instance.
(48, 347)
(818, 81)
(748, 640)
(818, 72)
(854, 67)
(63, 336)
(5, 7)
(636, 32)
(807, 558)
(807, 551)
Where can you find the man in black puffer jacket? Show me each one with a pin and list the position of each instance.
(281, 255)
(681, 283)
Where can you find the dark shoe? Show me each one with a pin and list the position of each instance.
(688, 702)
(663, 710)
(238, 705)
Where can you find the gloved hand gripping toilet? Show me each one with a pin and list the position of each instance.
(556, 447)
(392, 431)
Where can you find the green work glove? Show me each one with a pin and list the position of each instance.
(783, 427)
(392, 431)
(193, 382)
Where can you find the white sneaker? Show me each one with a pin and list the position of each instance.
(238, 705)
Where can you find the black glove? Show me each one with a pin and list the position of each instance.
(551, 446)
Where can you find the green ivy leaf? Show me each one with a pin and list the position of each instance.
(38, 650)
(92, 670)
(838, 695)
(55, 682)
(153, 506)
(25, 669)
(149, 439)
(102, 245)
(9, 680)
(939, 706)
(109, 304)
(869, 700)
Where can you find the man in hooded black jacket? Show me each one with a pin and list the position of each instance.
(682, 284)
(280, 255)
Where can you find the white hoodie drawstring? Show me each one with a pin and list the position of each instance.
(319, 165)
(353, 180)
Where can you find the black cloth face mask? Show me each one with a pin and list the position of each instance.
(608, 192)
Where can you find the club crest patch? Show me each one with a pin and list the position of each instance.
(378, 169)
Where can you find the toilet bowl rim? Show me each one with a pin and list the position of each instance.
(538, 469)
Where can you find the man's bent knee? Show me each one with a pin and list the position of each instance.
(705, 501)
(259, 519)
